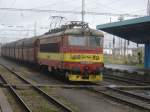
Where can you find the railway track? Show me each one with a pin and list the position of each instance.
(47, 97)
(118, 95)
(125, 97)
(129, 98)
(16, 95)
(125, 79)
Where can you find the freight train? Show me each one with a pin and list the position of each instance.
(74, 49)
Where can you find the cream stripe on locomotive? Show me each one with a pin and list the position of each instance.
(72, 57)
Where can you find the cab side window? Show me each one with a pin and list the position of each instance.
(49, 47)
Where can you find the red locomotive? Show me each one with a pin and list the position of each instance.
(75, 50)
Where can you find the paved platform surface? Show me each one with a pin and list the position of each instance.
(126, 67)
(4, 105)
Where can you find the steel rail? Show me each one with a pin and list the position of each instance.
(44, 94)
(123, 79)
(47, 85)
(121, 72)
(143, 98)
(137, 80)
(16, 95)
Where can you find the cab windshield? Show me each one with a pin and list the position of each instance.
(77, 41)
(94, 41)
(90, 41)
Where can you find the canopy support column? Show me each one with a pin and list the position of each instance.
(147, 56)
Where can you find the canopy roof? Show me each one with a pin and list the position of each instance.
(136, 30)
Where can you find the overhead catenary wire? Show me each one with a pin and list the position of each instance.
(139, 10)
(12, 4)
(64, 2)
(15, 30)
(76, 10)
(97, 4)
(69, 12)
(113, 2)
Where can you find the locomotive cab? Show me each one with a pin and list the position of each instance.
(84, 57)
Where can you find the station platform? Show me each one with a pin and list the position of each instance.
(127, 68)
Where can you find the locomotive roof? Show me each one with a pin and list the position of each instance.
(80, 31)
(73, 31)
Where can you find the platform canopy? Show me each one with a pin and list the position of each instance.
(136, 30)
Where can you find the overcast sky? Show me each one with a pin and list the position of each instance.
(12, 20)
